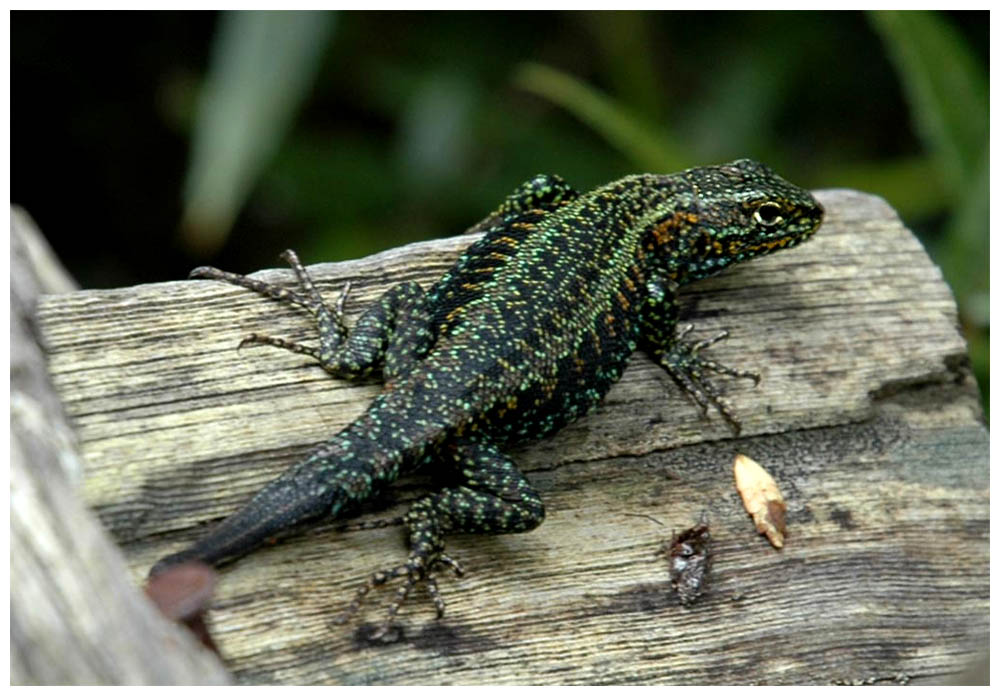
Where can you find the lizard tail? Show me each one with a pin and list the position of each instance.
(302, 493)
(336, 475)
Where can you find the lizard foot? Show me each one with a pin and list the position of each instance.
(417, 569)
(687, 367)
(329, 320)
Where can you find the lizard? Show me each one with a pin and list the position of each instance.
(524, 334)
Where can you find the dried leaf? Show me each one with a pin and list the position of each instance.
(761, 498)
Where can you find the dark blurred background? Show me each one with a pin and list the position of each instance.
(145, 144)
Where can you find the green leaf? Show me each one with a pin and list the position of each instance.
(947, 92)
(945, 87)
(648, 148)
(262, 65)
(948, 95)
(965, 256)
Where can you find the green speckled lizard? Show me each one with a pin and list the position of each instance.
(526, 333)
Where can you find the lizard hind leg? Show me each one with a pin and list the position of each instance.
(392, 333)
(492, 497)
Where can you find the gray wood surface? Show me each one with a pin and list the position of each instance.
(866, 416)
(75, 615)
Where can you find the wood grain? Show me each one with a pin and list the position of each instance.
(865, 415)
(75, 615)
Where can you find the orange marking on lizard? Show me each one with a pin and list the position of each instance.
(663, 233)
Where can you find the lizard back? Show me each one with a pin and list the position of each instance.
(537, 320)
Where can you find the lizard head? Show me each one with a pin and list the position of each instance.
(727, 214)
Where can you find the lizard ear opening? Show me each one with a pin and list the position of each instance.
(768, 214)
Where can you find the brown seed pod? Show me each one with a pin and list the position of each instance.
(690, 557)
(761, 498)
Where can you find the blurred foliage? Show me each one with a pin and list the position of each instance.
(262, 64)
(948, 94)
(342, 134)
(650, 148)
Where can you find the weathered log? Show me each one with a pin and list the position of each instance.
(866, 416)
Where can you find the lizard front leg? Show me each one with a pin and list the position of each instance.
(492, 497)
(682, 359)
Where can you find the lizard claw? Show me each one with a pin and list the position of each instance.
(416, 570)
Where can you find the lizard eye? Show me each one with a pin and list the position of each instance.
(768, 214)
